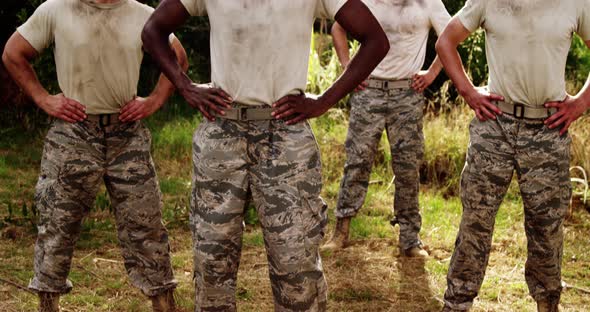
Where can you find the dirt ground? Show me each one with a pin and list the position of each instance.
(369, 275)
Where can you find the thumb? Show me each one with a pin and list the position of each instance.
(553, 104)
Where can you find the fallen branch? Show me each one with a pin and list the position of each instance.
(95, 260)
(580, 289)
(5, 281)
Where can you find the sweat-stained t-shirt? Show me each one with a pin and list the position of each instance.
(527, 43)
(407, 25)
(260, 48)
(98, 48)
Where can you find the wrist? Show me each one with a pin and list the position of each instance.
(184, 84)
(580, 100)
(325, 101)
(431, 74)
(40, 98)
(157, 100)
(467, 91)
(159, 97)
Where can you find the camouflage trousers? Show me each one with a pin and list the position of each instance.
(399, 112)
(279, 167)
(541, 159)
(76, 158)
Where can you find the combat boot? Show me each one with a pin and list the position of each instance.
(548, 305)
(48, 302)
(164, 302)
(415, 252)
(340, 238)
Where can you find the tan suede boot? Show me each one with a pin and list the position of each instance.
(340, 238)
(48, 302)
(164, 302)
(415, 252)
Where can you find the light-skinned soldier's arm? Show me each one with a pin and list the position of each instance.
(140, 108)
(342, 51)
(479, 99)
(167, 18)
(17, 57)
(569, 110)
(360, 23)
(425, 78)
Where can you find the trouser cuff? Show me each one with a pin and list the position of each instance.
(37, 286)
(158, 290)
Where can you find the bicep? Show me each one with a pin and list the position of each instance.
(454, 33)
(168, 17)
(357, 20)
(18, 46)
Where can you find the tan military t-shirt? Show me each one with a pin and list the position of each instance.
(260, 48)
(407, 25)
(527, 43)
(98, 48)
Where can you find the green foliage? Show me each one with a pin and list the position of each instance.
(578, 63)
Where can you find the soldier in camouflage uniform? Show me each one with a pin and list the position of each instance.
(521, 127)
(260, 53)
(394, 103)
(98, 59)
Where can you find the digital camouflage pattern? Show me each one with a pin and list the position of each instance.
(541, 158)
(399, 112)
(76, 159)
(279, 168)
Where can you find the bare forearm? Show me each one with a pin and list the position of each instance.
(436, 66)
(341, 44)
(167, 17)
(164, 88)
(446, 47)
(360, 67)
(451, 60)
(374, 47)
(22, 72)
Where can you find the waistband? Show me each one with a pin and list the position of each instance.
(105, 120)
(245, 113)
(521, 111)
(384, 84)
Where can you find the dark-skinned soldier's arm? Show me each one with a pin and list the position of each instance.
(17, 57)
(446, 47)
(166, 19)
(572, 108)
(140, 108)
(339, 37)
(359, 22)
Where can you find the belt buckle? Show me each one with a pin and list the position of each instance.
(104, 120)
(242, 113)
(516, 108)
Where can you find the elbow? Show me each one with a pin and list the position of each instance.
(5, 58)
(147, 36)
(336, 29)
(383, 46)
(8, 58)
(440, 45)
